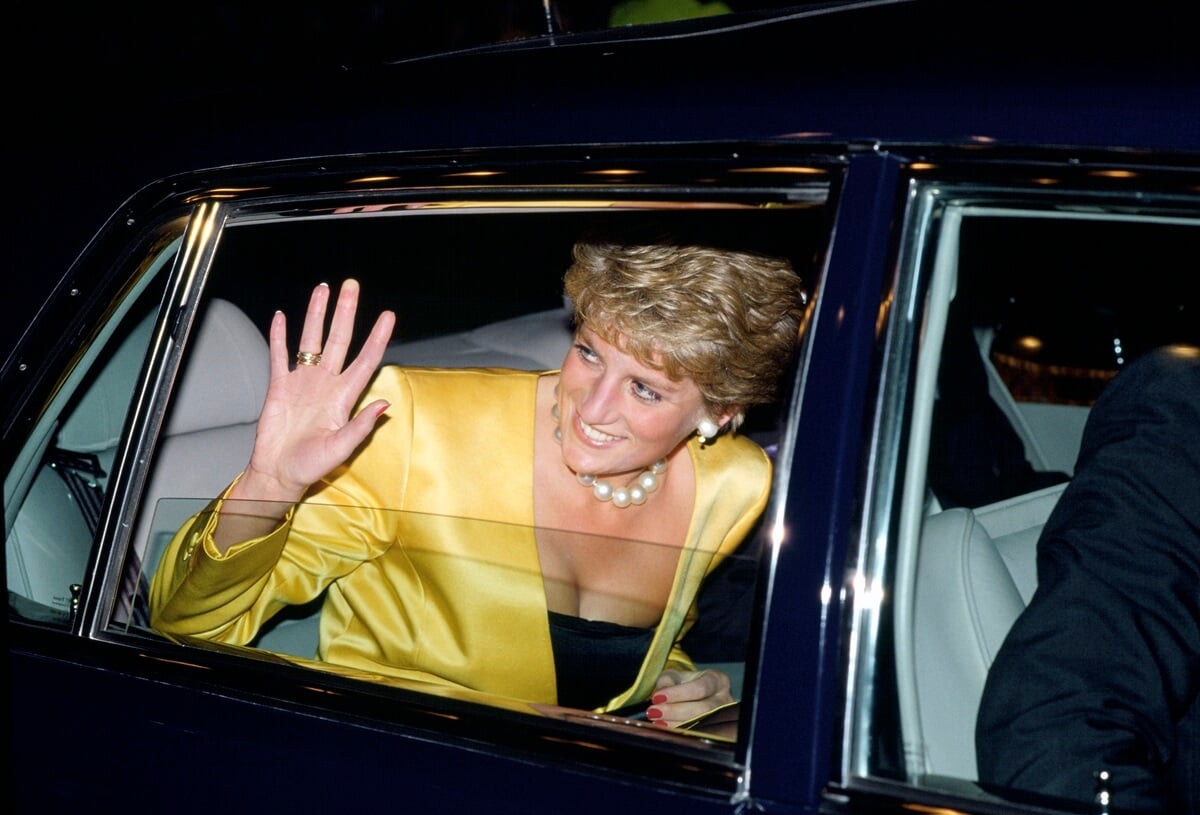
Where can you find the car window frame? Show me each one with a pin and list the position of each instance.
(926, 269)
(202, 235)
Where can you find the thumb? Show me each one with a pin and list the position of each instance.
(354, 432)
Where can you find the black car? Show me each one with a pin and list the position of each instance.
(993, 210)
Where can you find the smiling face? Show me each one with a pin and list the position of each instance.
(618, 415)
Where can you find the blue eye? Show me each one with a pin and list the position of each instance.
(644, 393)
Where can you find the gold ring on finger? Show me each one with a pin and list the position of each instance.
(307, 358)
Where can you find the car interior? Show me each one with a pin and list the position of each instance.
(968, 548)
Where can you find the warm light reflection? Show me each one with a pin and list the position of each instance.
(474, 174)
(932, 810)
(1046, 181)
(1029, 344)
(451, 716)
(591, 745)
(778, 533)
(614, 172)
(182, 662)
(1183, 350)
(797, 170)
(373, 179)
(363, 208)
(1115, 173)
(581, 203)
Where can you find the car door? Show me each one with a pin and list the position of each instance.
(1020, 289)
(149, 387)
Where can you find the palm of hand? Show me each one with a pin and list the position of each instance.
(306, 427)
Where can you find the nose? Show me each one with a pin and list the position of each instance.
(598, 405)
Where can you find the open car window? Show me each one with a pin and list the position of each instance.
(1029, 308)
(475, 284)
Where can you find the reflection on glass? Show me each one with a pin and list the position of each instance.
(448, 605)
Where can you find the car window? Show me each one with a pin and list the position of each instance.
(55, 493)
(474, 285)
(1030, 308)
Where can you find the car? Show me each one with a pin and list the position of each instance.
(992, 217)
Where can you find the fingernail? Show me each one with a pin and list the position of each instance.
(653, 713)
(658, 698)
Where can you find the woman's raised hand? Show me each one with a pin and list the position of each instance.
(306, 428)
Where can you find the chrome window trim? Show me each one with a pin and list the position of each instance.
(130, 468)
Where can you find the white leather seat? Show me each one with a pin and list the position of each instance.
(209, 430)
(537, 341)
(976, 571)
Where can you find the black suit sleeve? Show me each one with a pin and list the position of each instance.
(1102, 671)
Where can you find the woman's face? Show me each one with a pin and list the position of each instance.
(618, 415)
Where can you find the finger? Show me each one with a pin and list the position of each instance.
(277, 341)
(678, 712)
(667, 679)
(371, 353)
(341, 329)
(707, 684)
(354, 432)
(314, 320)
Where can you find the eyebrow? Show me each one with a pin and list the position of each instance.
(657, 380)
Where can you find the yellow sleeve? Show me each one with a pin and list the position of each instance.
(198, 591)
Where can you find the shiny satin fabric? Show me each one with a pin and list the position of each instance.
(425, 547)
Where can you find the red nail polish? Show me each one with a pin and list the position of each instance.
(658, 698)
(653, 713)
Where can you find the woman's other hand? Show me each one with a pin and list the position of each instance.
(682, 695)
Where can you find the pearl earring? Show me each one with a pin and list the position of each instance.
(707, 429)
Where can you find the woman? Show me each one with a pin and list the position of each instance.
(446, 553)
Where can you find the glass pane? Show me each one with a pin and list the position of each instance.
(463, 615)
(55, 494)
(1047, 308)
(471, 289)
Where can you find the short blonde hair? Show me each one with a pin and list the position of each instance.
(728, 319)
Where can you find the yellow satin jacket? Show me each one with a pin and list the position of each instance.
(424, 546)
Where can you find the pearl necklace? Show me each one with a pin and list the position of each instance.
(635, 492)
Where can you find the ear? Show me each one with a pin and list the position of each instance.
(724, 418)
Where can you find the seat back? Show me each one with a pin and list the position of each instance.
(209, 431)
(976, 571)
(537, 341)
